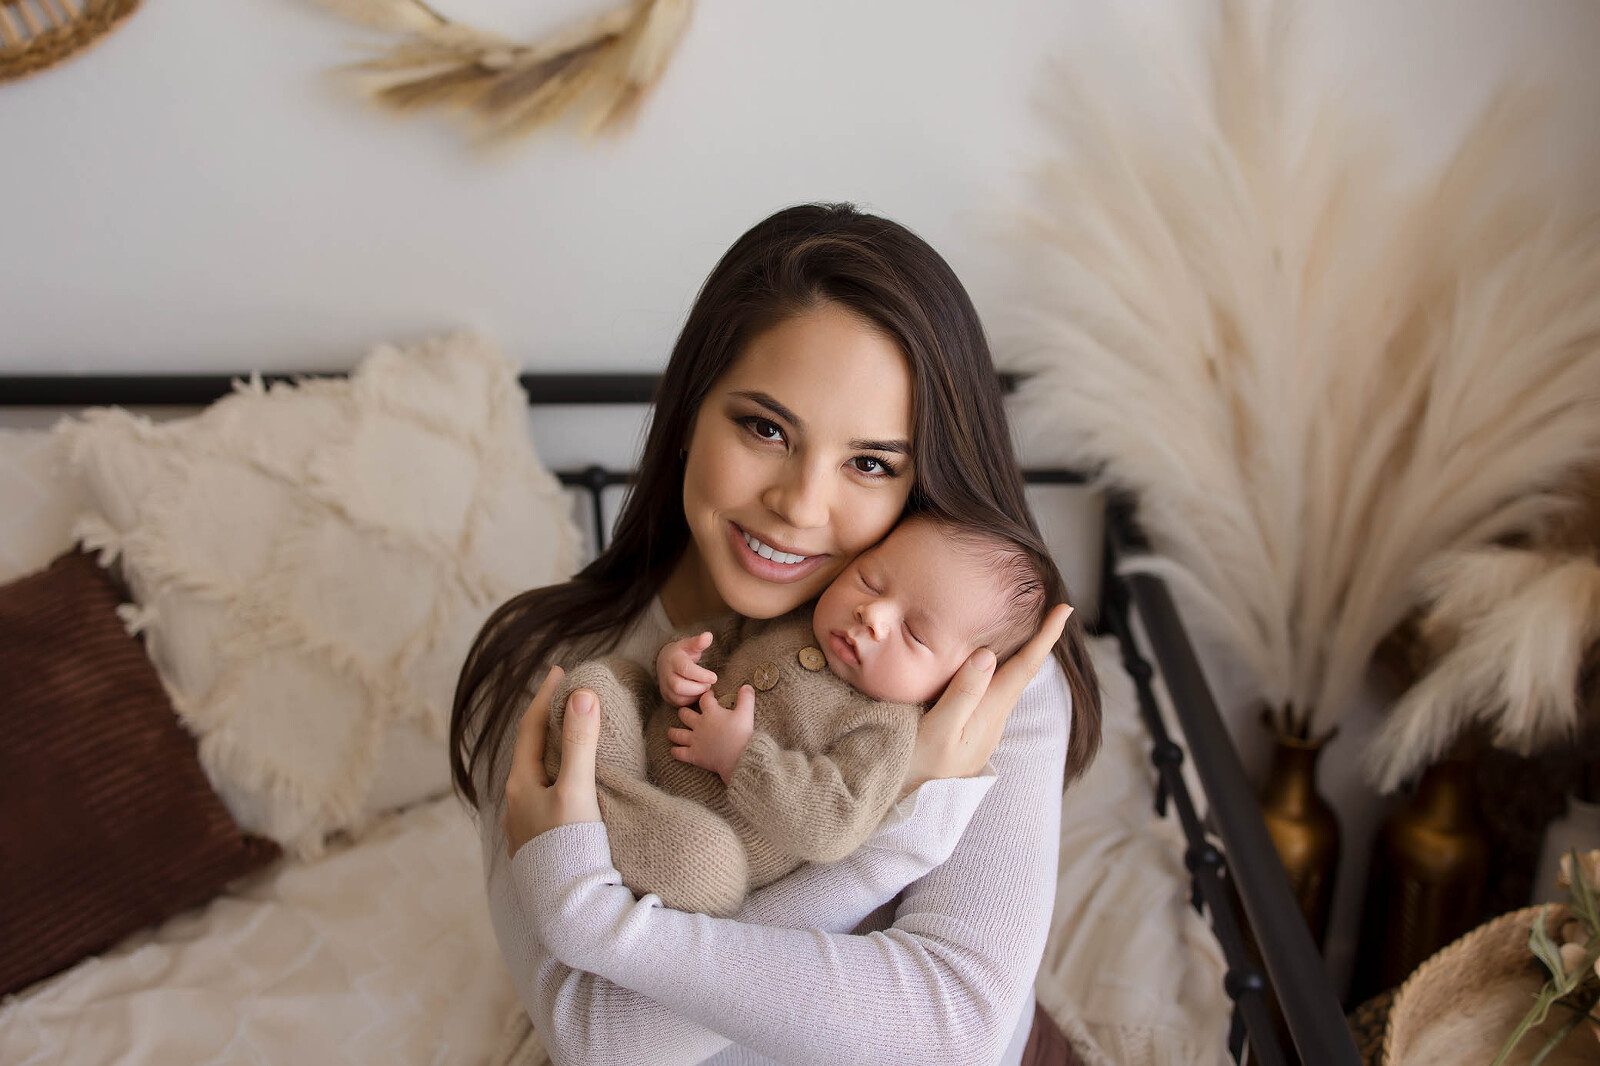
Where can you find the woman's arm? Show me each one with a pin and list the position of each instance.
(583, 1018)
(942, 985)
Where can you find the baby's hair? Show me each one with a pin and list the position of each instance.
(1019, 575)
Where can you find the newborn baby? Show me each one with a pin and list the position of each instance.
(804, 726)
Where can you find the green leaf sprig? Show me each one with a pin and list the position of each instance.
(1574, 981)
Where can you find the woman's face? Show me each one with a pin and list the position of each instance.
(799, 458)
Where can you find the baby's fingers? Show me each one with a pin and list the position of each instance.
(682, 691)
(697, 674)
(679, 735)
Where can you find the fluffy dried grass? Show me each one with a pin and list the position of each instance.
(1520, 626)
(1313, 381)
(600, 68)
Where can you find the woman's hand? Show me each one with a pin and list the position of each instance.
(533, 804)
(960, 732)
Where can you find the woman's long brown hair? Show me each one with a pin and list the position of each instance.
(964, 465)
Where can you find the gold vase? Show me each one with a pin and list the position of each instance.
(1302, 825)
(1428, 874)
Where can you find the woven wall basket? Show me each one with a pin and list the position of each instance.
(37, 34)
(1463, 1003)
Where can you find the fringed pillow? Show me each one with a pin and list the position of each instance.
(310, 563)
(38, 502)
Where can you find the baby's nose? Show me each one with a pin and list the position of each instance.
(874, 615)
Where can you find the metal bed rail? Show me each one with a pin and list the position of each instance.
(1245, 862)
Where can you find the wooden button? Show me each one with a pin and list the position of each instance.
(727, 702)
(812, 658)
(766, 676)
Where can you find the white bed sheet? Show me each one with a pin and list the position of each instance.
(379, 952)
(382, 951)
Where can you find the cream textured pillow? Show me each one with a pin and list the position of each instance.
(38, 502)
(310, 564)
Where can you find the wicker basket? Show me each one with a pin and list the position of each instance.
(1463, 1003)
(37, 34)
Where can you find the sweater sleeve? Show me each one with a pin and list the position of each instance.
(583, 1018)
(819, 806)
(942, 985)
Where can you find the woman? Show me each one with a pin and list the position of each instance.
(831, 377)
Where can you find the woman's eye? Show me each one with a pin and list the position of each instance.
(763, 428)
(872, 466)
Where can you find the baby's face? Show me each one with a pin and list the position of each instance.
(902, 618)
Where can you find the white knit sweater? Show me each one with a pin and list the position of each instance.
(610, 979)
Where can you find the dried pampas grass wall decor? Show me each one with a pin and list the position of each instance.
(601, 67)
(1314, 381)
(35, 35)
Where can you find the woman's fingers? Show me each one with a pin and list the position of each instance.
(988, 719)
(960, 732)
(1020, 669)
(937, 752)
(580, 735)
(979, 685)
(963, 694)
(529, 749)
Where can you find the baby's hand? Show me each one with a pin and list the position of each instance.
(714, 737)
(683, 680)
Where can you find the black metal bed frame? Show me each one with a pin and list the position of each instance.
(1245, 864)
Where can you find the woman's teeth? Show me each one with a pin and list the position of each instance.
(767, 553)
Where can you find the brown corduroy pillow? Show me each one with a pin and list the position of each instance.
(108, 823)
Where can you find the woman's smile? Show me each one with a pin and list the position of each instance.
(767, 562)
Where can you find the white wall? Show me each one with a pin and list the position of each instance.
(217, 202)
(195, 195)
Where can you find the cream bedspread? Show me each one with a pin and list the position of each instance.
(377, 953)
(382, 952)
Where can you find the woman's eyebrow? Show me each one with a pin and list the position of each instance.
(898, 447)
(767, 400)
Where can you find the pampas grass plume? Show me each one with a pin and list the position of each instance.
(1521, 624)
(1311, 378)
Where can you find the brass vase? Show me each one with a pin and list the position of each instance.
(1429, 869)
(1302, 825)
